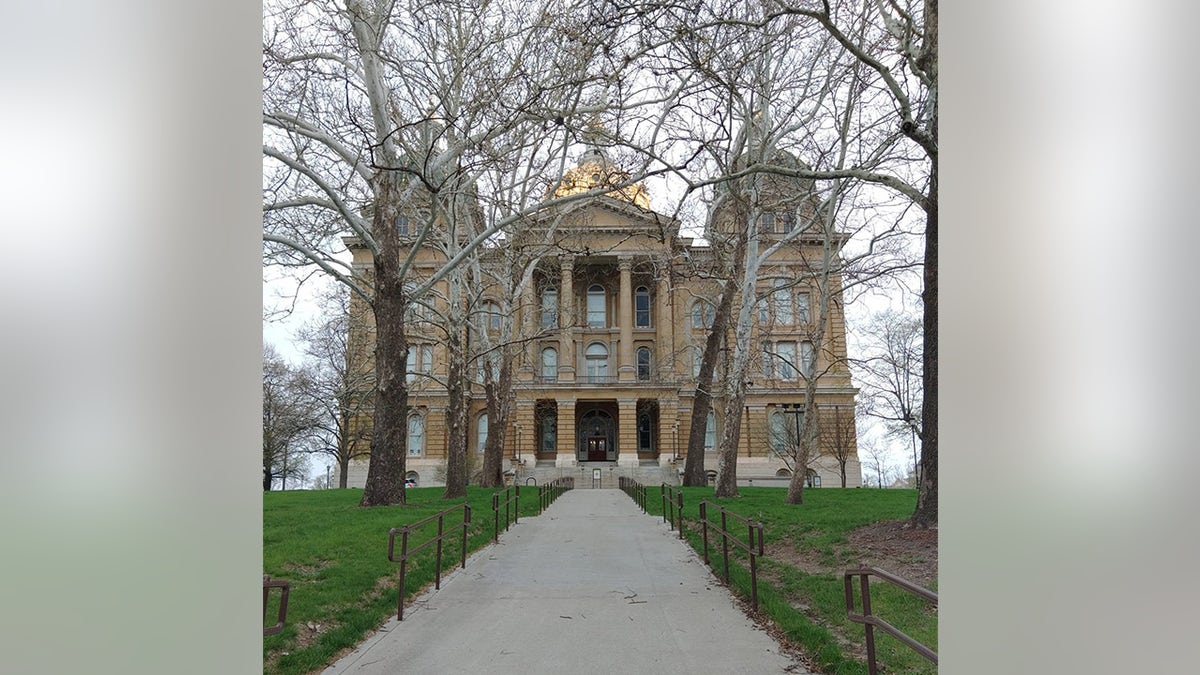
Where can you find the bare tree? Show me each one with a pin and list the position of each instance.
(877, 460)
(338, 384)
(382, 113)
(287, 418)
(838, 438)
(897, 42)
(890, 373)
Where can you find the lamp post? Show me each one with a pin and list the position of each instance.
(328, 479)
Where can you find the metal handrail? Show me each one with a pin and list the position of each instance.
(871, 621)
(672, 498)
(512, 495)
(550, 491)
(281, 616)
(406, 553)
(635, 490)
(753, 546)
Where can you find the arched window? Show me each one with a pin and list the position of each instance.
(549, 364)
(703, 314)
(645, 435)
(643, 364)
(550, 308)
(597, 361)
(416, 435)
(597, 309)
(710, 432)
(641, 307)
(481, 436)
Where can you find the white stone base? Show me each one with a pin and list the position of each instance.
(628, 460)
(563, 460)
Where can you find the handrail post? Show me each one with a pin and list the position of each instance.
(465, 526)
(725, 544)
(679, 516)
(403, 566)
(517, 506)
(496, 518)
(753, 571)
(704, 528)
(437, 570)
(865, 585)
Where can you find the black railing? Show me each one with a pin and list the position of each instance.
(550, 491)
(281, 615)
(406, 552)
(634, 489)
(672, 506)
(753, 545)
(871, 621)
(512, 495)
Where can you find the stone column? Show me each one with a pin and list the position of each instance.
(666, 326)
(626, 372)
(565, 456)
(566, 319)
(627, 432)
(668, 431)
(530, 324)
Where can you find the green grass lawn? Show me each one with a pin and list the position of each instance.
(334, 556)
(811, 608)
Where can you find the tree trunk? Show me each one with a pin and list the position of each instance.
(498, 413)
(456, 410)
(389, 442)
(926, 514)
(693, 468)
(693, 471)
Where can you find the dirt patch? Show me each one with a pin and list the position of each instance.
(889, 545)
(904, 551)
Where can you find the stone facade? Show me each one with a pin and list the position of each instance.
(606, 335)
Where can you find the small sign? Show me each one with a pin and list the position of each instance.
(595, 474)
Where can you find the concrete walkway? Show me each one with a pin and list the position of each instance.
(592, 585)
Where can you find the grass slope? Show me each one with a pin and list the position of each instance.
(334, 555)
(810, 608)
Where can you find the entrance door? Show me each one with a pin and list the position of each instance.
(597, 449)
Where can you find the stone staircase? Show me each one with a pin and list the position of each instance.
(648, 475)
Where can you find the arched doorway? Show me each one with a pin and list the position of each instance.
(597, 437)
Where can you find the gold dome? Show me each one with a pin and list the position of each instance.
(594, 171)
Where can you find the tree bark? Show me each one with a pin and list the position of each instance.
(456, 410)
(926, 514)
(389, 442)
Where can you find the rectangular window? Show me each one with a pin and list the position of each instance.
(787, 360)
(550, 308)
(788, 221)
(782, 298)
(802, 307)
(768, 360)
(402, 225)
(808, 358)
(697, 357)
(764, 312)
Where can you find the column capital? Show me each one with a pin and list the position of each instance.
(567, 261)
(625, 262)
